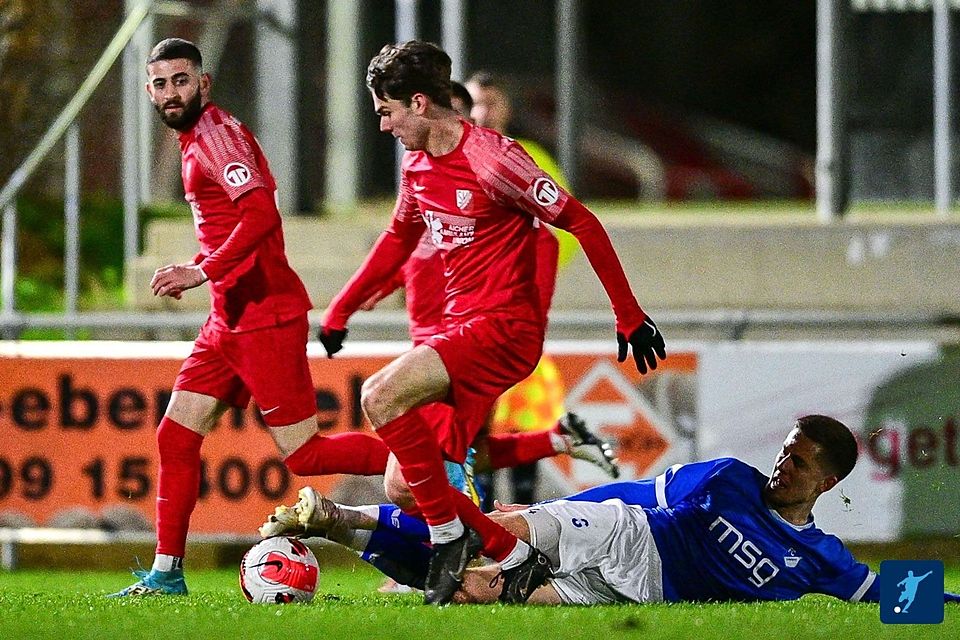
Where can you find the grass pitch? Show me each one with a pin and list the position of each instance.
(67, 605)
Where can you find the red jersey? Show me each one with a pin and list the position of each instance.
(241, 248)
(480, 204)
(422, 277)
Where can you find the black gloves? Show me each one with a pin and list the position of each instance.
(647, 343)
(332, 339)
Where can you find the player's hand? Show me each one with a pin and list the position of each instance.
(507, 508)
(647, 344)
(331, 339)
(173, 279)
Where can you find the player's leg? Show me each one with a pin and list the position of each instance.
(272, 363)
(452, 557)
(189, 417)
(390, 399)
(205, 387)
(570, 435)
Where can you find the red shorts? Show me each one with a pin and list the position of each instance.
(484, 357)
(269, 364)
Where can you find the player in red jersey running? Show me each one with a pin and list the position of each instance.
(421, 277)
(254, 341)
(481, 198)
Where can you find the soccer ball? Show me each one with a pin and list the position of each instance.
(279, 570)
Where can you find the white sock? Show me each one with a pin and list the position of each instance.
(446, 532)
(163, 562)
(560, 442)
(520, 553)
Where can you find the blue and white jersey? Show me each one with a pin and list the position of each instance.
(718, 540)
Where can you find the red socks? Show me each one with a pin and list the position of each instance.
(421, 462)
(360, 454)
(497, 541)
(178, 486)
(515, 449)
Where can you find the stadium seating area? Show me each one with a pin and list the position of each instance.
(882, 263)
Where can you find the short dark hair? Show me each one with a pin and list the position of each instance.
(176, 49)
(457, 90)
(401, 70)
(838, 447)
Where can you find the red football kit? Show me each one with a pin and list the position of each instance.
(480, 205)
(253, 289)
(254, 342)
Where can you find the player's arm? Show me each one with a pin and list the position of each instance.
(512, 177)
(548, 253)
(841, 576)
(666, 490)
(258, 218)
(389, 287)
(634, 327)
(259, 215)
(385, 259)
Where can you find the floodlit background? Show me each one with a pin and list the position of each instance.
(777, 178)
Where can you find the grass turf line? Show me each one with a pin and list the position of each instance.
(62, 604)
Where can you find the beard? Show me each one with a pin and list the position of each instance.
(188, 116)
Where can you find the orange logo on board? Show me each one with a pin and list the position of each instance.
(613, 406)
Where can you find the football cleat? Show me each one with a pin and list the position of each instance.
(447, 565)
(285, 521)
(154, 583)
(585, 445)
(317, 514)
(521, 581)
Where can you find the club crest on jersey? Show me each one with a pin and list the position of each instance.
(236, 174)
(448, 231)
(545, 192)
(791, 559)
(464, 196)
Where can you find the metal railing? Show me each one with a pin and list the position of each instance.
(64, 125)
(726, 324)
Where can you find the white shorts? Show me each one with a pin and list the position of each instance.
(607, 553)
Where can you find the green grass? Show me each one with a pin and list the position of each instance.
(62, 604)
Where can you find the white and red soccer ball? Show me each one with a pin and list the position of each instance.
(279, 570)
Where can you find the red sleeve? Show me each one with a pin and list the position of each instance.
(548, 253)
(384, 261)
(227, 156)
(509, 176)
(395, 282)
(258, 218)
(579, 221)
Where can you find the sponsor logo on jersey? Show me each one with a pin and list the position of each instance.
(746, 552)
(236, 174)
(448, 231)
(464, 196)
(545, 192)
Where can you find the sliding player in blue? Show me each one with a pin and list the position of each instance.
(718, 530)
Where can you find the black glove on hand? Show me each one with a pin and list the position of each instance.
(332, 339)
(647, 343)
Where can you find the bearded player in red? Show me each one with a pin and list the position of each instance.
(480, 197)
(254, 342)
